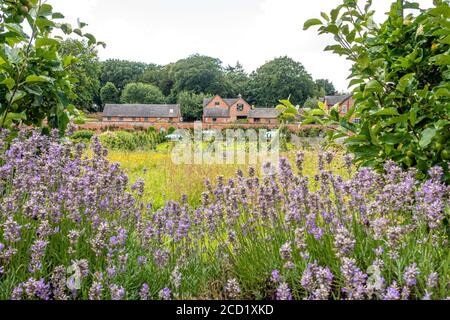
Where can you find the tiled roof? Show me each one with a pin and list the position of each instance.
(142, 110)
(216, 113)
(334, 100)
(228, 101)
(265, 113)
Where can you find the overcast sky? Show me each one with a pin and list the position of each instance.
(249, 31)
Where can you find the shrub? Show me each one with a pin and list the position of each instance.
(84, 135)
(132, 140)
(401, 71)
(109, 93)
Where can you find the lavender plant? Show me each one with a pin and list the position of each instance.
(73, 227)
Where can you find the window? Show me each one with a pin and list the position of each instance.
(120, 119)
(240, 107)
(257, 120)
(214, 119)
(146, 119)
(344, 108)
(109, 118)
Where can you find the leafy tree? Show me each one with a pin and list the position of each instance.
(279, 79)
(311, 103)
(35, 82)
(109, 94)
(165, 79)
(401, 72)
(237, 79)
(199, 74)
(327, 87)
(121, 72)
(191, 105)
(86, 71)
(152, 75)
(137, 92)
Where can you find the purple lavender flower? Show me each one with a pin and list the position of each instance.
(165, 294)
(276, 277)
(410, 275)
(317, 281)
(392, 292)
(144, 292)
(283, 292)
(232, 289)
(117, 292)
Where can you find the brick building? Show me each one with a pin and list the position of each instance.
(152, 113)
(229, 110)
(263, 116)
(345, 102)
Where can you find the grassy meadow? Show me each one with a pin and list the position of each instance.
(165, 180)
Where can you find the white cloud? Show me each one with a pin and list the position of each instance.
(251, 31)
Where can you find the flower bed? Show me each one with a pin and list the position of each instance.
(73, 228)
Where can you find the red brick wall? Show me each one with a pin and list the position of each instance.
(263, 121)
(99, 126)
(150, 120)
(234, 113)
(212, 103)
(218, 120)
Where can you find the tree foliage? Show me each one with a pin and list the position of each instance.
(191, 105)
(401, 77)
(237, 78)
(279, 79)
(85, 71)
(121, 72)
(35, 81)
(327, 87)
(199, 74)
(109, 94)
(137, 92)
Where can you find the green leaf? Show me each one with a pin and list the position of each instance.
(373, 86)
(325, 16)
(9, 82)
(91, 38)
(406, 82)
(355, 82)
(427, 137)
(19, 94)
(45, 10)
(44, 22)
(317, 112)
(44, 42)
(357, 140)
(387, 112)
(35, 78)
(57, 15)
(442, 92)
(311, 22)
(441, 59)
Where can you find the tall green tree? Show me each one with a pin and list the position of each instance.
(137, 92)
(85, 71)
(280, 79)
(121, 72)
(401, 70)
(327, 87)
(109, 94)
(35, 80)
(237, 78)
(199, 74)
(191, 105)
